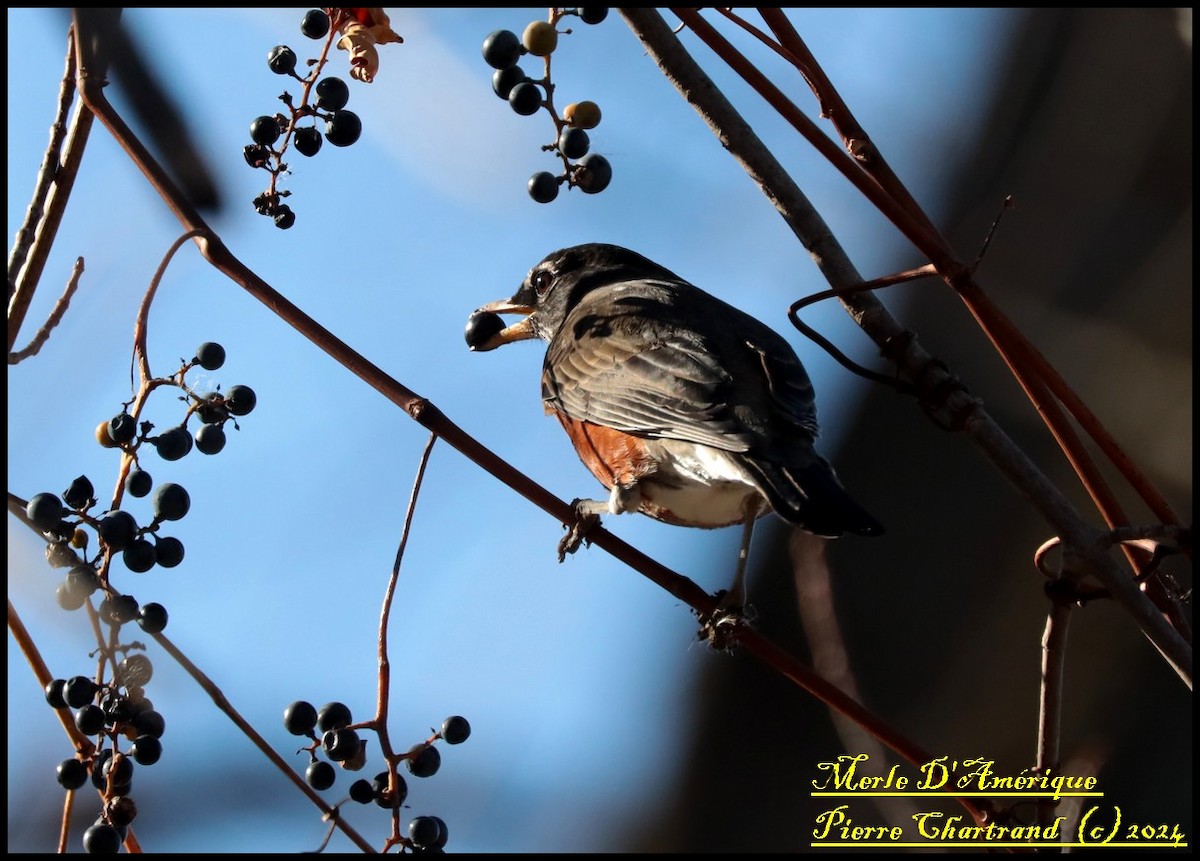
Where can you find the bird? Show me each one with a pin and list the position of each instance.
(684, 407)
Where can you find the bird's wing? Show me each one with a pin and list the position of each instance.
(632, 358)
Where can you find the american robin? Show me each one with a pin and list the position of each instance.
(685, 408)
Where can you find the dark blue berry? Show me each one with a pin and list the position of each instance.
(333, 715)
(573, 142)
(362, 791)
(315, 24)
(139, 556)
(152, 618)
(169, 551)
(456, 729)
(54, 693)
(300, 717)
(332, 94)
(146, 750)
(171, 502)
(593, 14)
(117, 529)
(425, 831)
(525, 98)
(45, 510)
(89, 719)
(72, 774)
(210, 439)
(424, 763)
(594, 173)
(543, 187)
(320, 775)
(101, 839)
(149, 722)
(503, 80)
(138, 483)
(173, 443)
(502, 49)
(117, 708)
(307, 141)
(210, 356)
(211, 409)
(240, 400)
(282, 61)
(343, 128)
(264, 130)
(122, 428)
(481, 326)
(98, 765)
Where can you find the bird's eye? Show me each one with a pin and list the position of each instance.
(542, 280)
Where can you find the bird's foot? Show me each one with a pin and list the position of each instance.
(585, 520)
(721, 627)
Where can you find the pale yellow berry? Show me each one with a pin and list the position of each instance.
(582, 115)
(102, 436)
(540, 38)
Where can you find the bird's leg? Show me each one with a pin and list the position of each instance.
(624, 498)
(720, 627)
(735, 597)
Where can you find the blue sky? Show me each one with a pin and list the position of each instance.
(294, 526)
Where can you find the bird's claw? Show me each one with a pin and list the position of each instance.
(578, 531)
(720, 628)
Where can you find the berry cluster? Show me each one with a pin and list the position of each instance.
(64, 519)
(333, 732)
(110, 712)
(502, 50)
(117, 709)
(323, 100)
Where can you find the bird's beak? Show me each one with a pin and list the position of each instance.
(519, 331)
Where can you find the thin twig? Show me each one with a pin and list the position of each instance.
(56, 315)
(845, 361)
(380, 721)
(1054, 653)
(142, 323)
(55, 206)
(45, 176)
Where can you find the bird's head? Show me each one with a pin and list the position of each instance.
(553, 288)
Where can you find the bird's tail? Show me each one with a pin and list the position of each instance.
(811, 497)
